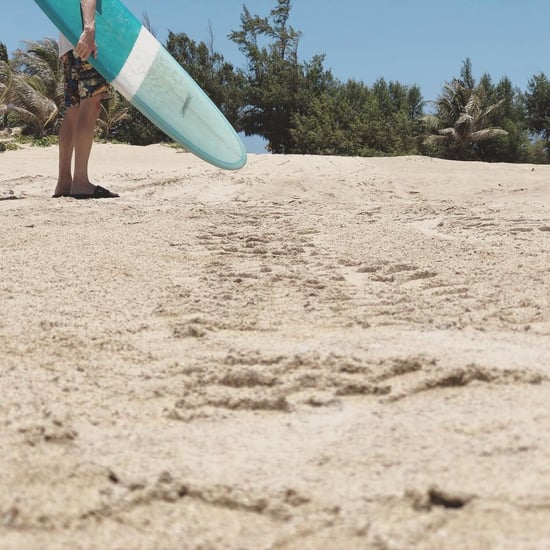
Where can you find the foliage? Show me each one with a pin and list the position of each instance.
(30, 88)
(462, 118)
(274, 81)
(510, 116)
(39, 63)
(353, 119)
(6, 90)
(299, 106)
(537, 104)
(137, 129)
(44, 141)
(113, 112)
(31, 107)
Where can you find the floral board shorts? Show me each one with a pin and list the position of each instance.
(82, 81)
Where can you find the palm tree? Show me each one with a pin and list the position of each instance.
(113, 112)
(33, 108)
(40, 61)
(461, 121)
(6, 87)
(37, 91)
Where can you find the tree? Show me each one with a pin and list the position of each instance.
(537, 101)
(398, 117)
(326, 127)
(37, 93)
(274, 78)
(462, 118)
(353, 119)
(510, 116)
(6, 90)
(112, 114)
(33, 109)
(137, 129)
(300, 108)
(39, 62)
(466, 74)
(459, 125)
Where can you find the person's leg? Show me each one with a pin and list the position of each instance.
(84, 90)
(66, 132)
(82, 142)
(66, 147)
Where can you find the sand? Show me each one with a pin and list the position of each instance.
(311, 352)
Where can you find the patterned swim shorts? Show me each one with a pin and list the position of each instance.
(82, 81)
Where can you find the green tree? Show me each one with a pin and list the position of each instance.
(467, 75)
(355, 120)
(33, 109)
(39, 63)
(6, 91)
(319, 125)
(300, 108)
(537, 102)
(37, 93)
(510, 116)
(137, 129)
(462, 120)
(398, 113)
(6, 85)
(459, 125)
(325, 128)
(274, 77)
(112, 114)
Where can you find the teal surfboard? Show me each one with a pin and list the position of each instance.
(143, 71)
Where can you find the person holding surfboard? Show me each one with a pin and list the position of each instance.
(84, 88)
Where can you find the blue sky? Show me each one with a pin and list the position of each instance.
(419, 42)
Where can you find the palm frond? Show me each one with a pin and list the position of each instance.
(432, 122)
(6, 82)
(451, 133)
(37, 110)
(112, 113)
(487, 134)
(465, 119)
(436, 139)
(463, 113)
(492, 108)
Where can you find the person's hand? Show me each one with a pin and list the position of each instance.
(86, 46)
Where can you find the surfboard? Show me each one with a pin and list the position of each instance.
(145, 73)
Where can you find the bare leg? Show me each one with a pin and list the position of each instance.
(66, 146)
(82, 142)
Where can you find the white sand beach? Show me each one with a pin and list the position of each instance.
(309, 353)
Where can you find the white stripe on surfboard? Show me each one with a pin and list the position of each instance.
(137, 64)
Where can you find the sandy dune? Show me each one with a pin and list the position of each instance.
(309, 353)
